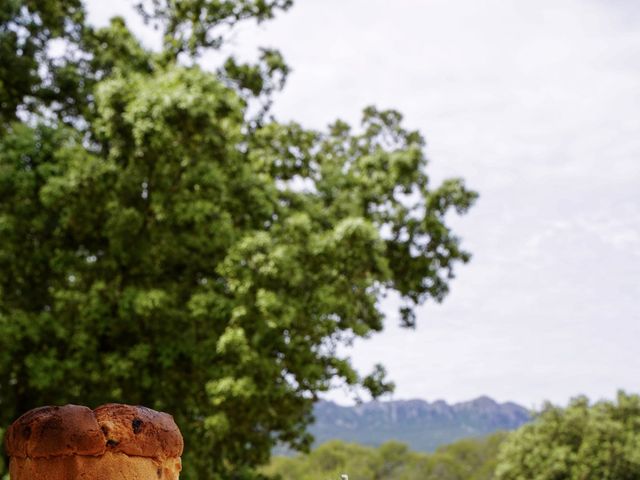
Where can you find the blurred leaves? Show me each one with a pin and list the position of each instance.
(192, 25)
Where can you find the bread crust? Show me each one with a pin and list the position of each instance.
(68, 430)
(110, 466)
(139, 431)
(55, 431)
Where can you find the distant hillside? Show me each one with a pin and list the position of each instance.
(422, 425)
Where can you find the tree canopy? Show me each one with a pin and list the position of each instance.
(470, 459)
(580, 442)
(164, 243)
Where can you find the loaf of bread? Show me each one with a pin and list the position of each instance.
(112, 442)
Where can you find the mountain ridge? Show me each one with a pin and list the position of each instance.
(423, 425)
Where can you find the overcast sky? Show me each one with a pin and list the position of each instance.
(537, 106)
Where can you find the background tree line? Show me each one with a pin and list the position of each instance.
(580, 442)
(472, 459)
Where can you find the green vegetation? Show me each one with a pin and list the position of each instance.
(164, 241)
(472, 459)
(580, 442)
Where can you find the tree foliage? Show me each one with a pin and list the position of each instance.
(471, 459)
(26, 67)
(580, 442)
(160, 245)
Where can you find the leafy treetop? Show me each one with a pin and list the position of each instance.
(161, 245)
(580, 442)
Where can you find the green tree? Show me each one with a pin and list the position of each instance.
(580, 442)
(334, 458)
(27, 70)
(469, 459)
(161, 243)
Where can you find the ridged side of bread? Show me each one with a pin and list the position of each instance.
(110, 466)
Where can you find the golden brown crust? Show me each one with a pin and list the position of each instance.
(109, 466)
(51, 431)
(139, 431)
(75, 430)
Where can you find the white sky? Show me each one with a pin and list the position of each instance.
(537, 106)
